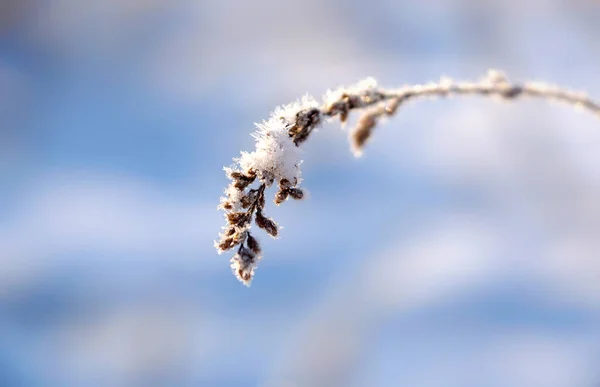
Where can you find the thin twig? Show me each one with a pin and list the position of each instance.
(276, 157)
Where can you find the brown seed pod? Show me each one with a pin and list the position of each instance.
(241, 184)
(240, 180)
(266, 224)
(362, 131)
(248, 199)
(296, 193)
(237, 218)
(253, 244)
(234, 175)
(226, 243)
(284, 184)
(281, 196)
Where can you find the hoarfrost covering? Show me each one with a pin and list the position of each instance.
(276, 156)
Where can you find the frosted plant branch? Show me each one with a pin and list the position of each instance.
(276, 158)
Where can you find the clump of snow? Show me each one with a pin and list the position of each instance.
(333, 96)
(233, 196)
(276, 157)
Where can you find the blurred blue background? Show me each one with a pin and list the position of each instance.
(462, 250)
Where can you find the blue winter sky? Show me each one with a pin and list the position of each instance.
(463, 248)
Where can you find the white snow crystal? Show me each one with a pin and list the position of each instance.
(333, 96)
(276, 156)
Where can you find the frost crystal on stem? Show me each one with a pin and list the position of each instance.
(276, 157)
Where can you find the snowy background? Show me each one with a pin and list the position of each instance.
(462, 250)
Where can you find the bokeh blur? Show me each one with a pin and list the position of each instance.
(463, 248)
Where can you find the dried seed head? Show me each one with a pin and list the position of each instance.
(242, 183)
(362, 132)
(392, 106)
(240, 180)
(266, 224)
(234, 175)
(253, 244)
(228, 239)
(277, 158)
(248, 199)
(296, 193)
(225, 205)
(308, 118)
(281, 196)
(306, 121)
(284, 184)
(224, 244)
(238, 218)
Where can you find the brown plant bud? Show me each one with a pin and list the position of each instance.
(284, 184)
(225, 204)
(392, 106)
(234, 175)
(308, 117)
(306, 121)
(240, 180)
(226, 244)
(281, 196)
(296, 193)
(229, 238)
(253, 244)
(237, 218)
(362, 131)
(266, 224)
(241, 184)
(248, 199)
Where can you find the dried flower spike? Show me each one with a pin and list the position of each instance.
(276, 157)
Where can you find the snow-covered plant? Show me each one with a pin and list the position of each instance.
(276, 158)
